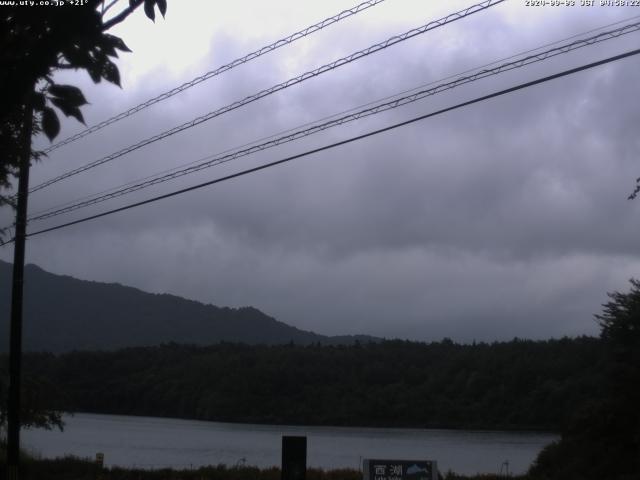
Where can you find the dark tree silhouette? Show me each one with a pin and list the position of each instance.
(35, 43)
(40, 407)
(510, 385)
(603, 441)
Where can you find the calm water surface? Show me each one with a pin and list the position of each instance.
(162, 442)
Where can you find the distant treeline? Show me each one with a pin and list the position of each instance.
(510, 385)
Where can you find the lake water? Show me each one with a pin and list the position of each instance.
(162, 442)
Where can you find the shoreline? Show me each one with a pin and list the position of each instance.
(504, 429)
(77, 468)
(155, 442)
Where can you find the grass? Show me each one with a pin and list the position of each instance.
(74, 468)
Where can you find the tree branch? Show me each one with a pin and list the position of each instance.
(106, 9)
(122, 15)
(65, 66)
(636, 191)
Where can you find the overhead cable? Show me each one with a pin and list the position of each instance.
(224, 68)
(381, 107)
(281, 86)
(343, 142)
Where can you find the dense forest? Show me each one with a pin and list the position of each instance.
(586, 388)
(512, 385)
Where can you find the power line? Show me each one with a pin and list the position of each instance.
(281, 86)
(381, 107)
(224, 68)
(343, 112)
(343, 142)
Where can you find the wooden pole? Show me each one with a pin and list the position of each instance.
(15, 342)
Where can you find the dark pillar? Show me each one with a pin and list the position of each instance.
(294, 458)
(15, 336)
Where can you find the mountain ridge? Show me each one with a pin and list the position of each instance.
(63, 313)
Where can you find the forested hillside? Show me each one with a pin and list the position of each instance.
(517, 384)
(63, 313)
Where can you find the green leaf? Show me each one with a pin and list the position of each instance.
(77, 57)
(39, 101)
(162, 6)
(110, 72)
(50, 123)
(71, 95)
(116, 42)
(108, 49)
(149, 10)
(94, 72)
(68, 109)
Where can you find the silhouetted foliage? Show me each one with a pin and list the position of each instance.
(603, 440)
(517, 384)
(40, 400)
(633, 195)
(73, 468)
(36, 42)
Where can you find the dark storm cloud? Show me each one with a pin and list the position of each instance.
(508, 218)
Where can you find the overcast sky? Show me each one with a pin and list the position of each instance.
(506, 218)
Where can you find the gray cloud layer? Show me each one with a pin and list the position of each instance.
(508, 218)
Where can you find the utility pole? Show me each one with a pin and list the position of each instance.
(15, 342)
